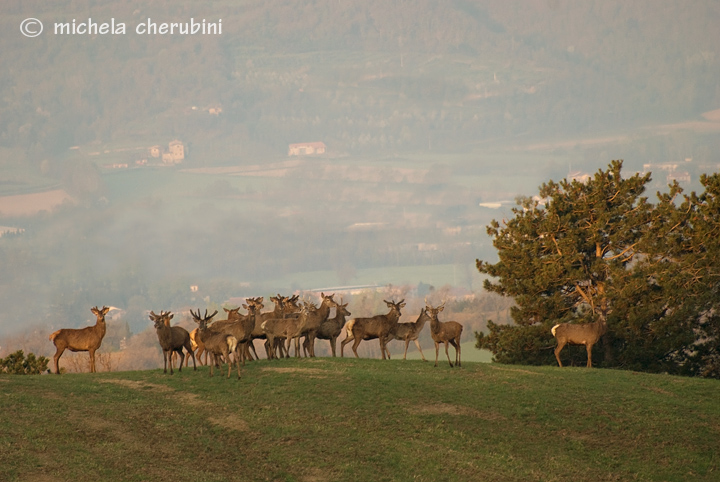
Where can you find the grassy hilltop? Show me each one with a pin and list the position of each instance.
(345, 419)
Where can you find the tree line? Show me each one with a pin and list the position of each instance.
(600, 250)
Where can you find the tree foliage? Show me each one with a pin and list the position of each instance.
(17, 364)
(598, 249)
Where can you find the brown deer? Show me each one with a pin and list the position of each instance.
(587, 334)
(172, 340)
(216, 344)
(330, 329)
(86, 339)
(444, 332)
(261, 317)
(241, 327)
(279, 329)
(408, 332)
(315, 318)
(381, 327)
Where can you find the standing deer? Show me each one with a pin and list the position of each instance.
(315, 319)
(330, 329)
(216, 343)
(172, 340)
(381, 327)
(261, 317)
(279, 329)
(411, 332)
(86, 339)
(444, 332)
(587, 334)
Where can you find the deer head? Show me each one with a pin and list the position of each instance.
(203, 321)
(100, 313)
(395, 306)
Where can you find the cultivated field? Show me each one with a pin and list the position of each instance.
(345, 419)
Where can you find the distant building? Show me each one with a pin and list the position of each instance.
(177, 150)
(306, 149)
(173, 155)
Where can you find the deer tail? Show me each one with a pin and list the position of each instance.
(52, 337)
(232, 343)
(554, 328)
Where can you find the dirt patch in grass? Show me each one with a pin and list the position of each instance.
(308, 371)
(190, 399)
(450, 409)
(518, 370)
(139, 385)
(230, 422)
(659, 390)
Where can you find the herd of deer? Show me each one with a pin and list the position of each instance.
(231, 341)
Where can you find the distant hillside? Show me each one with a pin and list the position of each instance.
(363, 76)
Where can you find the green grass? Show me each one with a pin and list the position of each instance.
(345, 419)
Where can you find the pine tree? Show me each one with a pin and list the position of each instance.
(598, 250)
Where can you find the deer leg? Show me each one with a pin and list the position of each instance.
(92, 360)
(182, 358)
(382, 347)
(251, 346)
(191, 353)
(447, 355)
(333, 343)
(343, 343)
(356, 342)
(458, 349)
(437, 351)
(589, 346)
(417, 343)
(56, 359)
(558, 349)
(455, 344)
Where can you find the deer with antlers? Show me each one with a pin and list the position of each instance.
(587, 334)
(86, 339)
(172, 340)
(444, 332)
(216, 344)
(381, 327)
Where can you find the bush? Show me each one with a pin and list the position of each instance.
(17, 364)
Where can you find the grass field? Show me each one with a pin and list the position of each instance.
(345, 419)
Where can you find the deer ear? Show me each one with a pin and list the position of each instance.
(171, 316)
(440, 308)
